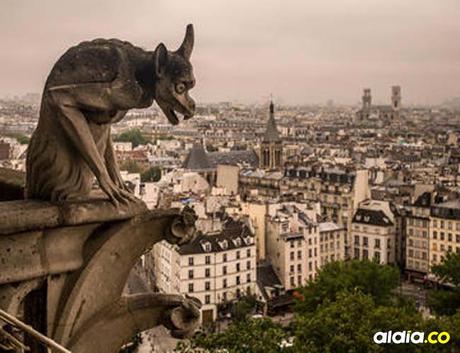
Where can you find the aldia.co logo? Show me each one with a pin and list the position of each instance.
(416, 337)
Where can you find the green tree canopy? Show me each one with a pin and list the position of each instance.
(368, 277)
(245, 336)
(446, 302)
(151, 175)
(134, 136)
(349, 323)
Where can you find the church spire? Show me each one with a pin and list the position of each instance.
(271, 132)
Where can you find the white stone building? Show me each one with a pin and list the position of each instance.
(215, 268)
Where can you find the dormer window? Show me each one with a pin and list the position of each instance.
(223, 244)
(206, 245)
(367, 219)
(237, 242)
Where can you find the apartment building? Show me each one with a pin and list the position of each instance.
(444, 230)
(292, 241)
(332, 242)
(215, 267)
(338, 190)
(373, 232)
(417, 237)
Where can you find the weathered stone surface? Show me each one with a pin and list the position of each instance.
(19, 216)
(91, 87)
(83, 254)
(11, 184)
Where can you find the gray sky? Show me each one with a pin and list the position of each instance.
(304, 51)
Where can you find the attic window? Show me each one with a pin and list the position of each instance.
(224, 244)
(248, 240)
(358, 217)
(206, 246)
(237, 242)
(367, 218)
(386, 220)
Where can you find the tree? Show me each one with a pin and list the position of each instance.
(244, 307)
(151, 175)
(134, 136)
(349, 324)
(246, 336)
(446, 302)
(368, 277)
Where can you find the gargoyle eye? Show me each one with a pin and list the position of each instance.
(180, 88)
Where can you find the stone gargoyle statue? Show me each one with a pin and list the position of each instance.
(91, 87)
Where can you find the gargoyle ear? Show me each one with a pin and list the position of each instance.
(161, 58)
(185, 50)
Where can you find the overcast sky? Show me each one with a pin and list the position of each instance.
(304, 51)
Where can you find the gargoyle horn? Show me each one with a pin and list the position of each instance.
(185, 50)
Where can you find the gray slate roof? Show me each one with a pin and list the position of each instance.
(197, 159)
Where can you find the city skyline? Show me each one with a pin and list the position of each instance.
(302, 53)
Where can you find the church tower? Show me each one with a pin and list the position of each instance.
(271, 148)
(396, 100)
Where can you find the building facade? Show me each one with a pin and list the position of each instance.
(216, 268)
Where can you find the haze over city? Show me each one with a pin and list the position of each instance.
(302, 52)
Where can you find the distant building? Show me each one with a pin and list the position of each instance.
(381, 112)
(271, 147)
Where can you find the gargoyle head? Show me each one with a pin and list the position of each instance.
(174, 78)
(182, 229)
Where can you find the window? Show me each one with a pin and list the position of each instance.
(207, 272)
(207, 285)
(248, 265)
(190, 274)
(190, 261)
(207, 299)
(291, 269)
(365, 241)
(224, 257)
(377, 243)
(299, 280)
(238, 254)
(238, 267)
(224, 270)
(356, 240)
(238, 280)
(377, 255)
(292, 244)
(435, 235)
(190, 287)
(299, 267)
(292, 281)
(224, 283)
(224, 296)
(248, 277)
(299, 254)
(292, 256)
(248, 253)
(207, 260)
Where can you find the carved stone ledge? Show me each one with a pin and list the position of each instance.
(81, 253)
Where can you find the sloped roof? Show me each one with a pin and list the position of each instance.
(372, 217)
(234, 158)
(197, 159)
